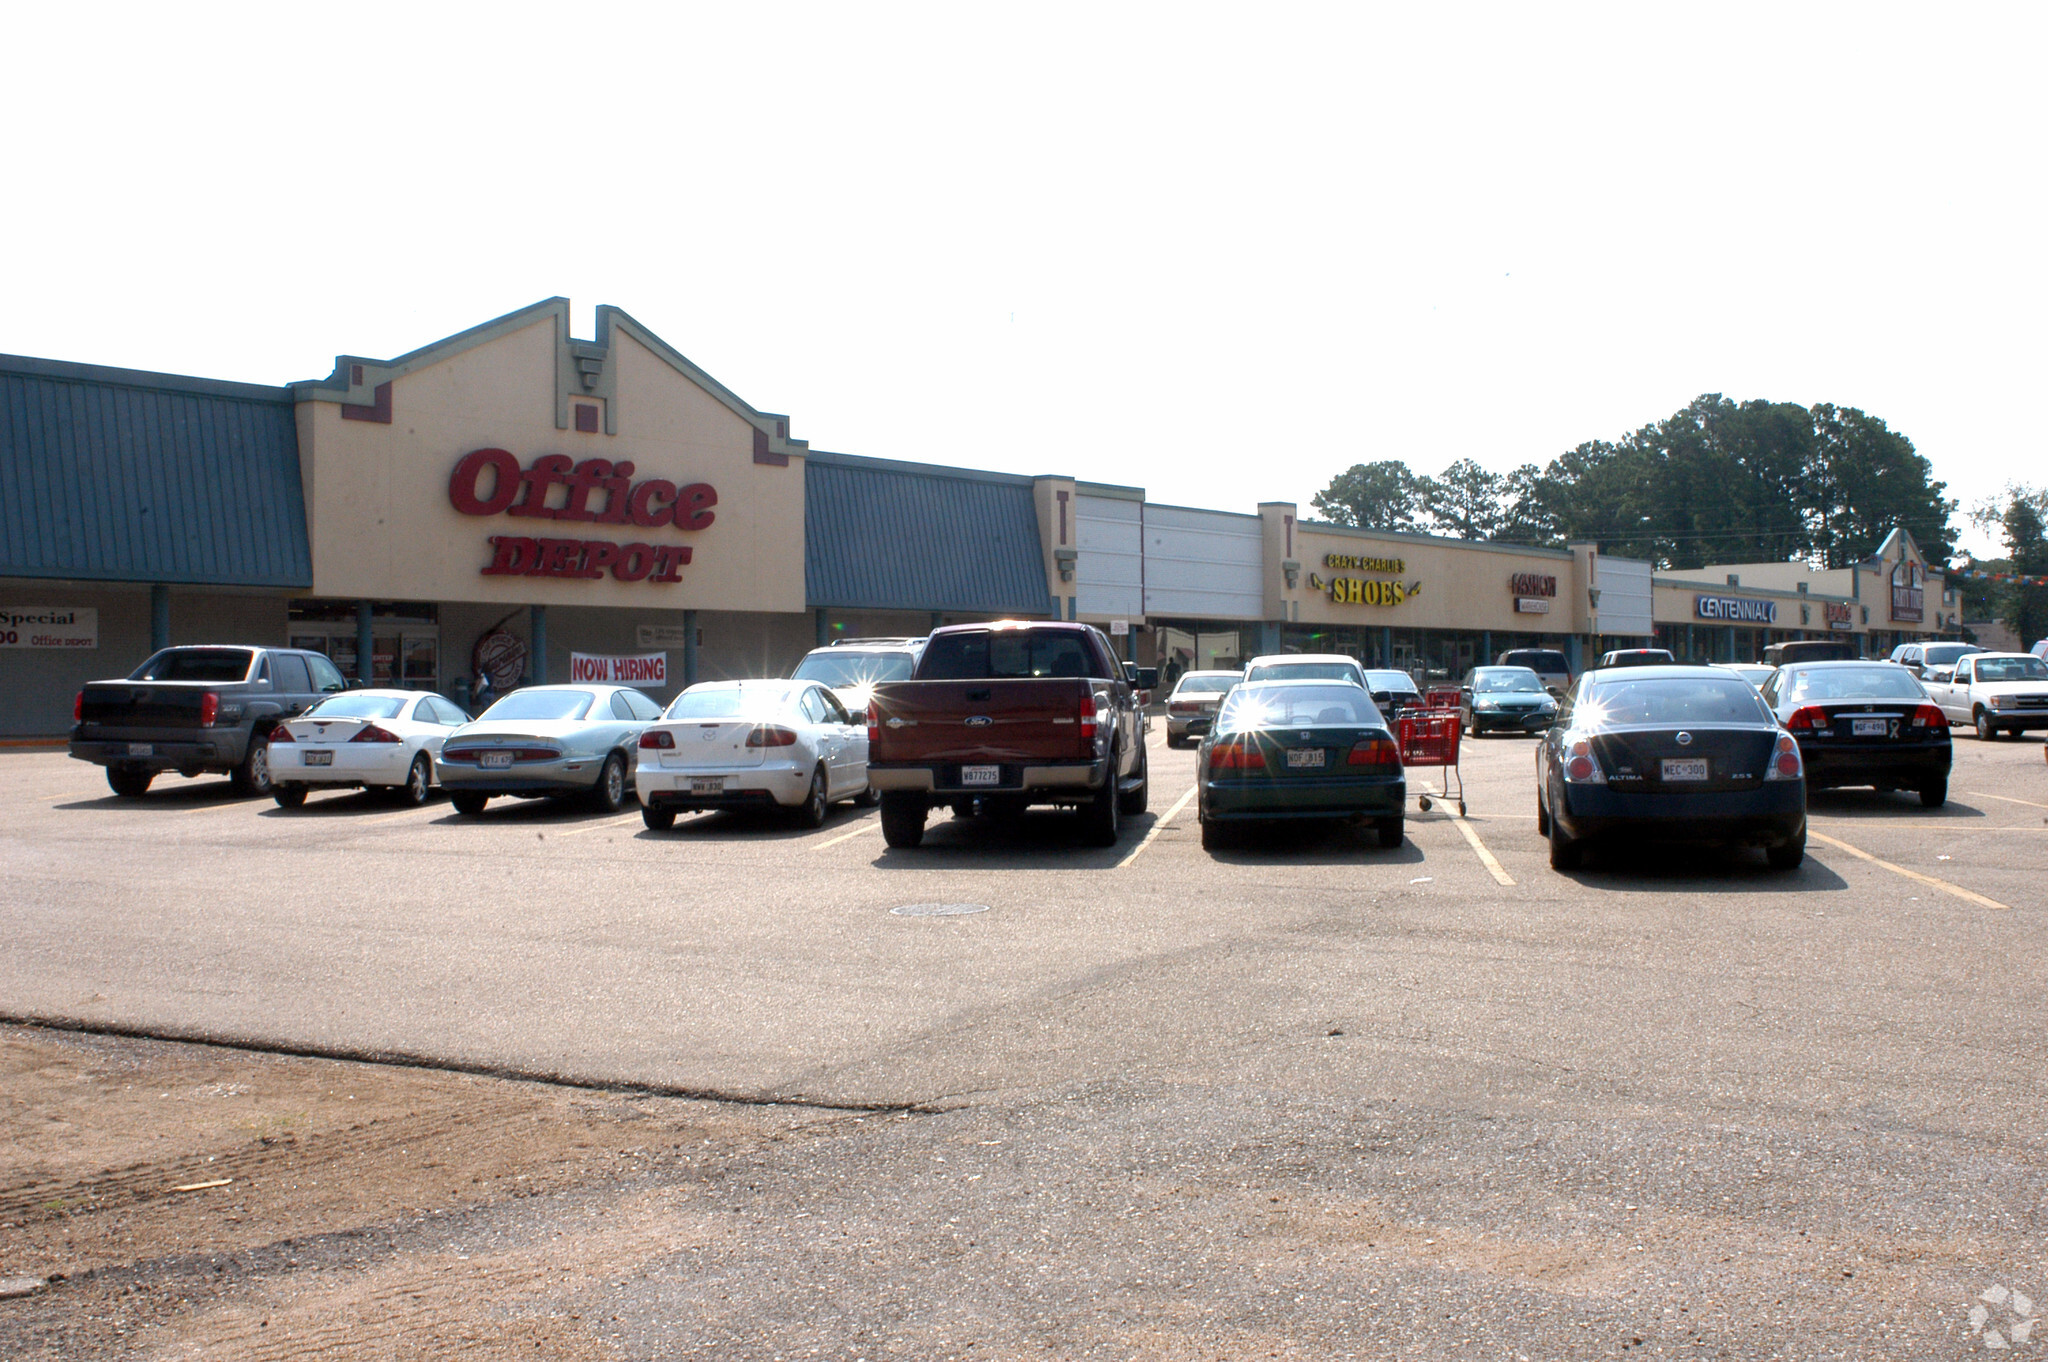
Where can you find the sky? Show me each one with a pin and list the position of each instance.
(1221, 253)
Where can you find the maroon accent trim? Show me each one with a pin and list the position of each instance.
(586, 418)
(1062, 498)
(761, 454)
(782, 429)
(355, 375)
(1290, 535)
(380, 411)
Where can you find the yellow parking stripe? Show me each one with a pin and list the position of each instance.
(868, 826)
(605, 826)
(1157, 828)
(1486, 858)
(1979, 794)
(1942, 885)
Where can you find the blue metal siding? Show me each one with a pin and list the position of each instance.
(886, 538)
(112, 475)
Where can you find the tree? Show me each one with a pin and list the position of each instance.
(1862, 480)
(1463, 501)
(1372, 496)
(2023, 521)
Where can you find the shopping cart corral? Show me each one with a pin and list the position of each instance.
(1429, 737)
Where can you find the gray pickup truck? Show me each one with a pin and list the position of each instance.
(197, 709)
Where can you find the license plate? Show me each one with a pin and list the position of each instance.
(494, 761)
(1300, 757)
(141, 749)
(1693, 768)
(317, 758)
(981, 775)
(1867, 728)
(707, 784)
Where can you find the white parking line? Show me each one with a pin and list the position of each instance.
(1486, 858)
(1157, 828)
(1942, 885)
(869, 826)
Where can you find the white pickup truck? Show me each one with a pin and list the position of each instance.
(1993, 691)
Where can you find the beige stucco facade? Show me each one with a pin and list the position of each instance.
(1362, 578)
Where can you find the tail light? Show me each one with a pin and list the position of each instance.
(372, 733)
(281, 734)
(874, 724)
(771, 735)
(209, 708)
(1785, 763)
(1581, 767)
(78, 709)
(656, 737)
(1184, 707)
(1809, 718)
(1374, 752)
(1929, 716)
(1088, 720)
(1237, 754)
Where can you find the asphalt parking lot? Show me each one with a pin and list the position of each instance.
(1302, 1098)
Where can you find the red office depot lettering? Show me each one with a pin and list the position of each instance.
(468, 475)
(513, 555)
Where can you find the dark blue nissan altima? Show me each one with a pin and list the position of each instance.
(1669, 754)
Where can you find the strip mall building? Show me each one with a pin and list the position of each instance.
(511, 499)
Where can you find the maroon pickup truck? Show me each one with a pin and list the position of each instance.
(1009, 715)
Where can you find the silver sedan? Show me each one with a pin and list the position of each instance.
(549, 740)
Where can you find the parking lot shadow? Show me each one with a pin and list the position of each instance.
(1873, 804)
(1042, 839)
(1314, 843)
(752, 825)
(181, 794)
(1639, 867)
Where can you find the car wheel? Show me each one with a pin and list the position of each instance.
(1986, 730)
(902, 818)
(288, 796)
(811, 813)
(1542, 816)
(1099, 821)
(252, 776)
(1391, 832)
(610, 791)
(128, 782)
(468, 803)
(867, 798)
(1789, 855)
(419, 782)
(1934, 793)
(1131, 803)
(1215, 837)
(657, 820)
(1565, 854)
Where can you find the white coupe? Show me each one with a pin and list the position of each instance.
(752, 744)
(389, 739)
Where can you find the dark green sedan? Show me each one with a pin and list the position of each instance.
(1292, 749)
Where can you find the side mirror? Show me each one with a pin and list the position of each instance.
(357, 683)
(1144, 678)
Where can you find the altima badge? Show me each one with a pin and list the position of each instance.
(1685, 740)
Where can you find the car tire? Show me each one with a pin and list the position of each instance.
(902, 818)
(811, 813)
(609, 794)
(1934, 793)
(657, 820)
(1100, 824)
(419, 783)
(288, 795)
(1986, 730)
(1542, 817)
(1392, 830)
(867, 798)
(251, 775)
(1131, 803)
(468, 803)
(1215, 837)
(128, 782)
(1565, 854)
(1788, 855)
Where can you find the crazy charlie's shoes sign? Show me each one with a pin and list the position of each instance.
(489, 482)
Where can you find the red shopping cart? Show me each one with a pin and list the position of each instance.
(1442, 697)
(1429, 737)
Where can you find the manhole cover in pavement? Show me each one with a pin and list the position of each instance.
(939, 909)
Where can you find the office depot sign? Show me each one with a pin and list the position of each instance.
(596, 492)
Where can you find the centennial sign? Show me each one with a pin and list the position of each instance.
(1735, 609)
(488, 482)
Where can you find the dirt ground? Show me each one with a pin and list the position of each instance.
(186, 1201)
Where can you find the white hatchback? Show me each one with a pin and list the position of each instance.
(752, 744)
(388, 739)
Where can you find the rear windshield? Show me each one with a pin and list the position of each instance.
(1303, 671)
(357, 707)
(1673, 700)
(1948, 652)
(2012, 669)
(1536, 660)
(541, 704)
(1390, 681)
(1854, 683)
(727, 702)
(843, 668)
(1298, 706)
(982, 655)
(1511, 679)
(196, 664)
(1204, 685)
